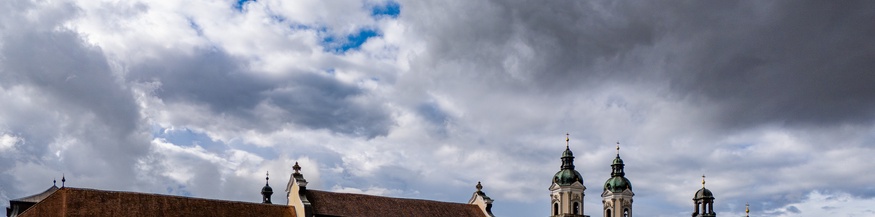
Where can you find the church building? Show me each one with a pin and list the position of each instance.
(567, 192)
(302, 202)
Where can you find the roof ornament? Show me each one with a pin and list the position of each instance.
(63, 179)
(297, 168)
(479, 186)
(747, 209)
(703, 180)
(55, 182)
(266, 177)
(618, 148)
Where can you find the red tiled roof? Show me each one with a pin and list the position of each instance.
(359, 205)
(89, 202)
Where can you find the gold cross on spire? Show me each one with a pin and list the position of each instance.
(618, 148)
(703, 180)
(567, 139)
(747, 208)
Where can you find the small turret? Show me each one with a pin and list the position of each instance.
(266, 191)
(704, 202)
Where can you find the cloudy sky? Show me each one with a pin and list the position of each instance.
(773, 100)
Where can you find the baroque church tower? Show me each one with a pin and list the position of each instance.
(704, 201)
(617, 196)
(566, 192)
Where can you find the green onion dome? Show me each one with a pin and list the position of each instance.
(618, 184)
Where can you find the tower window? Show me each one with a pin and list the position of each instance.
(576, 208)
(626, 213)
(608, 213)
(556, 209)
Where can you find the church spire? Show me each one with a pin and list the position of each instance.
(618, 167)
(747, 209)
(266, 191)
(617, 196)
(567, 155)
(567, 190)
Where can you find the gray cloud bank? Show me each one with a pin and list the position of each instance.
(773, 98)
(795, 63)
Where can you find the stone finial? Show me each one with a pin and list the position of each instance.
(63, 180)
(297, 168)
(479, 186)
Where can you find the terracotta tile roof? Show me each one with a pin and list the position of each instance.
(359, 205)
(89, 202)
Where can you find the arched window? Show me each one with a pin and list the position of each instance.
(556, 209)
(625, 212)
(576, 208)
(608, 213)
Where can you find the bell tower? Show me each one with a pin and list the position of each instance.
(704, 202)
(566, 192)
(266, 191)
(617, 196)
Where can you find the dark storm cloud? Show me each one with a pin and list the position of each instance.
(70, 110)
(321, 101)
(566, 37)
(786, 62)
(221, 82)
(209, 77)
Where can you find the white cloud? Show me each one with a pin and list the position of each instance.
(450, 93)
(7, 142)
(370, 190)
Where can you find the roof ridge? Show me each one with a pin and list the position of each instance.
(166, 195)
(399, 198)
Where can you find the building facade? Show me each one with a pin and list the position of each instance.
(567, 189)
(617, 194)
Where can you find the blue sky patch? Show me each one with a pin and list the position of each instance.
(350, 42)
(390, 9)
(240, 3)
(197, 28)
(188, 138)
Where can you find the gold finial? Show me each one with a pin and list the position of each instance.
(618, 148)
(703, 180)
(747, 208)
